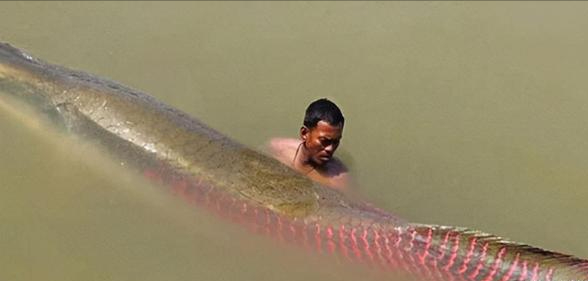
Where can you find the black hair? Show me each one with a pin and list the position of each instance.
(325, 110)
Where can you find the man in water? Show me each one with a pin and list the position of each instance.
(312, 154)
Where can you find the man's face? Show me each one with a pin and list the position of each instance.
(321, 141)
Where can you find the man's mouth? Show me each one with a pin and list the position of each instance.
(325, 157)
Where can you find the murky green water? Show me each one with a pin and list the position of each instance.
(468, 114)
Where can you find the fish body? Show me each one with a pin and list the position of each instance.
(213, 171)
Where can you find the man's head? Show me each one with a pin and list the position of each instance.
(322, 130)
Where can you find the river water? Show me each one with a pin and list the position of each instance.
(468, 114)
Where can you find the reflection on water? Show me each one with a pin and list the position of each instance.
(457, 113)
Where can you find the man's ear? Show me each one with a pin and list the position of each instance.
(304, 133)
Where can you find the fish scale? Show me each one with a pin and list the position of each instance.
(238, 184)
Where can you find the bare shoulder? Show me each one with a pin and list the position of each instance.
(283, 148)
(282, 145)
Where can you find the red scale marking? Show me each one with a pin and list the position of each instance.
(298, 232)
(330, 244)
(279, 228)
(342, 245)
(267, 221)
(317, 238)
(468, 258)
(226, 207)
(286, 230)
(512, 268)
(217, 203)
(218, 206)
(413, 234)
(239, 216)
(427, 246)
(389, 253)
(231, 208)
(442, 249)
(399, 238)
(187, 192)
(193, 195)
(431, 273)
(305, 236)
(251, 217)
(378, 246)
(480, 262)
(410, 263)
(291, 232)
(243, 209)
(354, 244)
(436, 260)
(411, 254)
(549, 275)
(523, 275)
(454, 252)
(399, 253)
(535, 275)
(207, 196)
(258, 220)
(192, 198)
(380, 242)
(366, 246)
(497, 263)
(257, 226)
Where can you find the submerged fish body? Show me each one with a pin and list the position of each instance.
(219, 174)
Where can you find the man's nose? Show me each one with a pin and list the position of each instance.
(330, 148)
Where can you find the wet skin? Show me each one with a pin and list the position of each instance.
(315, 155)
